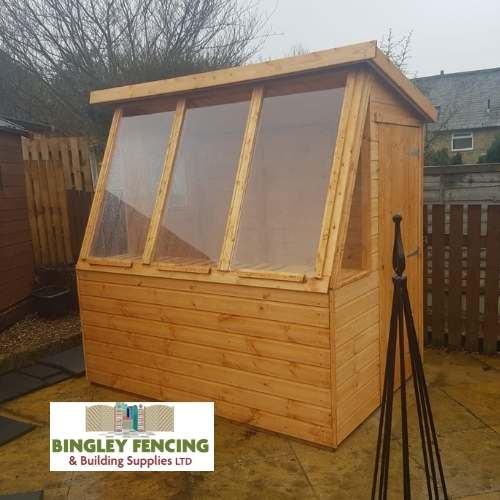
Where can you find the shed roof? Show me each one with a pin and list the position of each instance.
(367, 52)
(467, 100)
(11, 127)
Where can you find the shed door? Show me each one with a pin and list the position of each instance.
(401, 167)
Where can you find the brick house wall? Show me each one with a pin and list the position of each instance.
(482, 140)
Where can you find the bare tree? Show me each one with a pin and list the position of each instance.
(397, 49)
(70, 47)
(297, 50)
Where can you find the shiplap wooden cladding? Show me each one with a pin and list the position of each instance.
(262, 281)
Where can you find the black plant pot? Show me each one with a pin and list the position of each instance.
(51, 301)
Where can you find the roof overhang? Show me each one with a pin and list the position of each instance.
(367, 52)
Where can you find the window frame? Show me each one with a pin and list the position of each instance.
(354, 110)
(462, 135)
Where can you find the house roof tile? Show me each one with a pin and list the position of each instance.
(468, 100)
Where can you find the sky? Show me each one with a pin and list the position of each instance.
(448, 35)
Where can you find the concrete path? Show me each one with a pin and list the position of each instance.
(465, 392)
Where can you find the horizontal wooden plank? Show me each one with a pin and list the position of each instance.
(13, 203)
(272, 294)
(291, 313)
(238, 75)
(196, 269)
(150, 346)
(348, 312)
(357, 363)
(359, 323)
(349, 292)
(211, 388)
(106, 261)
(220, 374)
(19, 263)
(368, 404)
(358, 380)
(271, 275)
(15, 239)
(200, 335)
(311, 284)
(354, 346)
(15, 214)
(238, 413)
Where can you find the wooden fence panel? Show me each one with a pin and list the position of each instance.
(461, 276)
(59, 183)
(492, 289)
(455, 276)
(437, 272)
(473, 277)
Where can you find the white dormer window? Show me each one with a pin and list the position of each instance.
(463, 141)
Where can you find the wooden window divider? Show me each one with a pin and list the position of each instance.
(163, 188)
(343, 174)
(326, 222)
(241, 180)
(95, 210)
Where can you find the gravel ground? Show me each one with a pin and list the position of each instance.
(33, 337)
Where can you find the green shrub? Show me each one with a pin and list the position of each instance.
(493, 153)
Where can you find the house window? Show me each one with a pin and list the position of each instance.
(462, 142)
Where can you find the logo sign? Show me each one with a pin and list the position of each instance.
(134, 436)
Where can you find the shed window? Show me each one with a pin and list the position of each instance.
(357, 245)
(285, 197)
(131, 186)
(194, 220)
(462, 142)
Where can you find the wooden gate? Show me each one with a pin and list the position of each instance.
(59, 173)
(461, 276)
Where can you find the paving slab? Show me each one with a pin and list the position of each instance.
(32, 495)
(470, 460)
(70, 360)
(491, 361)
(137, 486)
(15, 384)
(24, 464)
(444, 368)
(494, 495)
(252, 463)
(35, 406)
(238, 443)
(483, 400)
(11, 429)
(346, 474)
(39, 370)
(275, 478)
(449, 415)
(58, 377)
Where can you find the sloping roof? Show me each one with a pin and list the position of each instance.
(367, 52)
(463, 98)
(9, 126)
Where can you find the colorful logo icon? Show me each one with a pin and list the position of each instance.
(129, 418)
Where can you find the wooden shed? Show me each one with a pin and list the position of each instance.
(16, 253)
(239, 244)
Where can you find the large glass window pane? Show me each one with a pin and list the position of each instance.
(284, 203)
(132, 184)
(202, 183)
